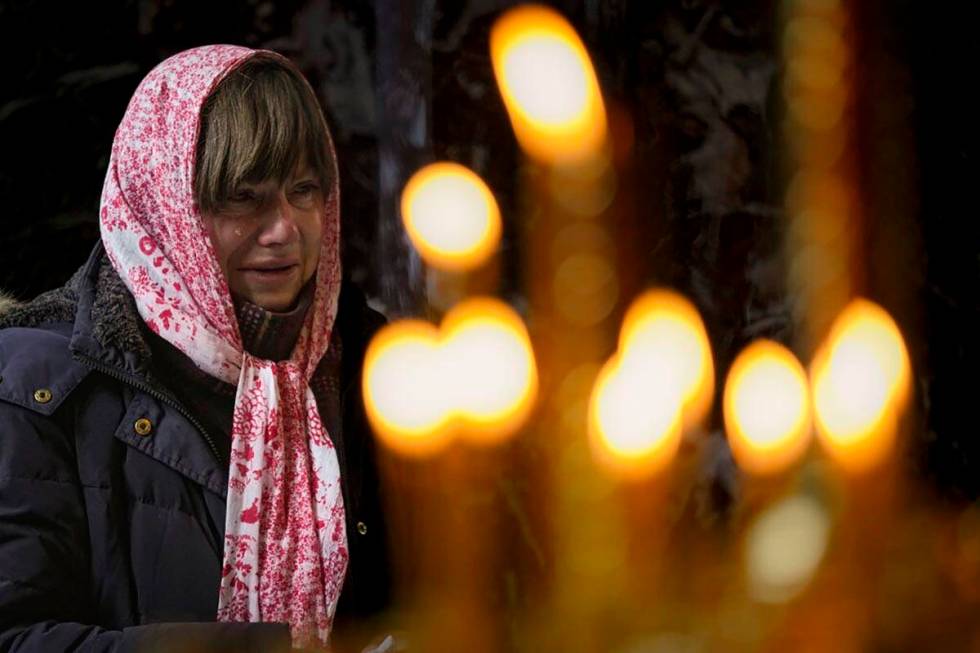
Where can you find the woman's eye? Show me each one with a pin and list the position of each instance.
(242, 196)
(305, 189)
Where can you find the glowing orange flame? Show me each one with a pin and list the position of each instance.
(548, 85)
(451, 216)
(476, 378)
(767, 408)
(658, 382)
(402, 387)
(666, 331)
(861, 379)
(634, 419)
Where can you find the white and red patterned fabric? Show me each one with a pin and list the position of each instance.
(285, 550)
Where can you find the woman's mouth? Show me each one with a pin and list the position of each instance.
(271, 273)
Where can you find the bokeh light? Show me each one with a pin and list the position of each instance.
(451, 216)
(767, 408)
(548, 85)
(860, 378)
(658, 383)
(666, 331)
(476, 378)
(784, 548)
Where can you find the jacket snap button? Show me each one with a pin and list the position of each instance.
(42, 395)
(143, 426)
(362, 528)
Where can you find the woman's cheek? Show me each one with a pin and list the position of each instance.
(237, 238)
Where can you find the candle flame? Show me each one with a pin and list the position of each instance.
(767, 408)
(666, 331)
(860, 378)
(403, 387)
(634, 419)
(451, 216)
(475, 377)
(659, 382)
(489, 355)
(548, 85)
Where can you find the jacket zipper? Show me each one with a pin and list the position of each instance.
(139, 385)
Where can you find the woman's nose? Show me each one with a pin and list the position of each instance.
(279, 227)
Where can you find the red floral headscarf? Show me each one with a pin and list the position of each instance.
(285, 550)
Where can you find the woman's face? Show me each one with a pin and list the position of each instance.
(267, 238)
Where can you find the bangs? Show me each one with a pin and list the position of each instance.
(261, 122)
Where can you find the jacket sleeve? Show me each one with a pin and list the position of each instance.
(45, 593)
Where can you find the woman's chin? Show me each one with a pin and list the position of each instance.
(279, 301)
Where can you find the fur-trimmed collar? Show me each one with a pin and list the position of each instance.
(7, 303)
(113, 321)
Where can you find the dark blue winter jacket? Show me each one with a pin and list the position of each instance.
(112, 496)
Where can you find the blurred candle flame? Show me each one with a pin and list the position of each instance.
(767, 408)
(402, 387)
(475, 378)
(451, 216)
(665, 330)
(488, 350)
(548, 85)
(861, 380)
(634, 418)
(658, 383)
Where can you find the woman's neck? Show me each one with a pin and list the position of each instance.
(269, 334)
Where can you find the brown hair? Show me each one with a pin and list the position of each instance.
(259, 123)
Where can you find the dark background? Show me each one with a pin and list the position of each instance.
(406, 83)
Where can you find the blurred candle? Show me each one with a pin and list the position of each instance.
(861, 381)
(451, 216)
(476, 377)
(425, 389)
(548, 85)
(575, 274)
(659, 382)
(767, 408)
(825, 64)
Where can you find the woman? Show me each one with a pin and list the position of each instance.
(179, 442)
